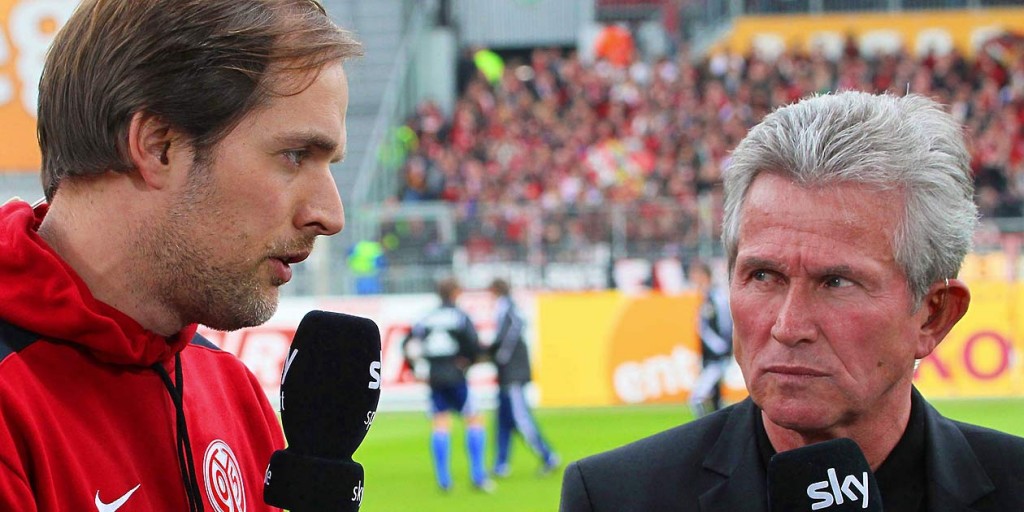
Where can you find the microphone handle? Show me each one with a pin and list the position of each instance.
(305, 483)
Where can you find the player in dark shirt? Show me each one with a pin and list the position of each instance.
(512, 359)
(443, 345)
(715, 332)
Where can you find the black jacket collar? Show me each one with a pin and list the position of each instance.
(956, 478)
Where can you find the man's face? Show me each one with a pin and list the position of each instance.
(254, 207)
(824, 330)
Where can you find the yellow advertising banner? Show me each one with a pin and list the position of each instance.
(915, 31)
(609, 348)
(26, 29)
(981, 355)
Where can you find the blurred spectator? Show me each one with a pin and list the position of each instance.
(616, 45)
(490, 64)
(413, 240)
(366, 262)
(572, 136)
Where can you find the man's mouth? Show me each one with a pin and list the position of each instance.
(291, 259)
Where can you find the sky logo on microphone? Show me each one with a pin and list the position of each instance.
(829, 492)
(284, 373)
(357, 492)
(374, 375)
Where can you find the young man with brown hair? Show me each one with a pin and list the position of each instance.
(186, 166)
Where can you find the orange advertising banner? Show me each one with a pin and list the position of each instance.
(607, 348)
(26, 29)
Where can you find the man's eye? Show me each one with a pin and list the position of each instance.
(296, 156)
(837, 282)
(760, 275)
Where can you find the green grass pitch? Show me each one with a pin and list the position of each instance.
(399, 477)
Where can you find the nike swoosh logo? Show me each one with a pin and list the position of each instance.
(116, 504)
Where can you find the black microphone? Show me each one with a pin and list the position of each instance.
(832, 476)
(330, 388)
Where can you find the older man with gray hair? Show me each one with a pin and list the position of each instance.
(847, 218)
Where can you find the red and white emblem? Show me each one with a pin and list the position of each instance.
(223, 477)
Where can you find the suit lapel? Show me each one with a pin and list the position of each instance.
(956, 478)
(735, 459)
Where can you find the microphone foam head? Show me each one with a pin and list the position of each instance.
(330, 385)
(831, 476)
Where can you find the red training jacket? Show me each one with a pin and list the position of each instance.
(87, 422)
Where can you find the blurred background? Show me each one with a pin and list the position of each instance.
(575, 148)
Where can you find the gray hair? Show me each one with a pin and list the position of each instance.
(908, 144)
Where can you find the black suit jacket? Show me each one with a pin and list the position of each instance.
(713, 465)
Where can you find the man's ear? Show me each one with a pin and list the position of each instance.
(150, 141)
(945, 304)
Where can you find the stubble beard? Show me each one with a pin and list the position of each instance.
(198, 283)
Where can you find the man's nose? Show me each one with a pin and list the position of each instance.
(794, 321)
(322, 208)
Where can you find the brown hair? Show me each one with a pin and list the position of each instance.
(700, 266)
(499, 286)
(448, 289)
(199, 65)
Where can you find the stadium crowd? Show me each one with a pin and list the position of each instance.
(563, 135)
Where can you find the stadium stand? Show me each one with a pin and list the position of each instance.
(561, 135)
